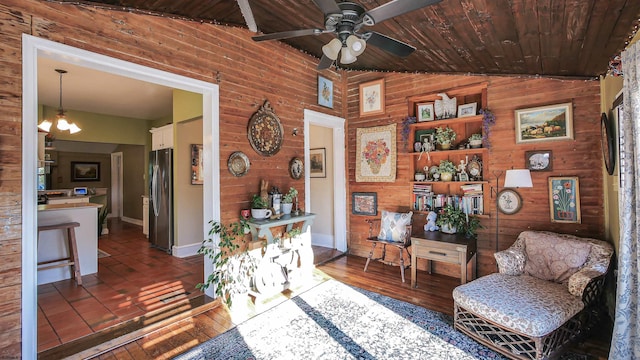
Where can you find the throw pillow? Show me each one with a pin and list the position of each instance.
(393, 226)
(555, 257)
(510, 261)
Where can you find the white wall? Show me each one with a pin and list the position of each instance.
(188, 203)
(322, 190)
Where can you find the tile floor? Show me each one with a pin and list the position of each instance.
(132, 281)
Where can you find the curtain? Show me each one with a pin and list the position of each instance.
(625, 343)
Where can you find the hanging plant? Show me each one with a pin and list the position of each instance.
(406, 128)
(488, 120)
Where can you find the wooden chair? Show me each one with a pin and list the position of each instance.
(402, 246)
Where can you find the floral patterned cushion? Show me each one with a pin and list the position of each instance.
(393, 226)
(510, 261)
(522, 303)
(553, 257)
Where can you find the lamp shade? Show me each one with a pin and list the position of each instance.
(62, 124)
(332, 48)
(356, 45)
(73, 128)
(516, 178)
(45, 125)
(347, 57)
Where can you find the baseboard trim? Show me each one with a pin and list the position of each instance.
(323, 240)
(132, 221)
(185, 250)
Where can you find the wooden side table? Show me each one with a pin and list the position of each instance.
(438, 246)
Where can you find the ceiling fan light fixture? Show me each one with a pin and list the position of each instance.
(347, 57)
(356, 46)
(332, 48)
(62, 124)
(45, 125)
(73, 128)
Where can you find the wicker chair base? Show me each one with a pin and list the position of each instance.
(516, 345)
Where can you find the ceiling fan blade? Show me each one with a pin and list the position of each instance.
(394, 8)
(328, 6)
(288, 34)
(388, 44)
(324, 63)
(245, 8)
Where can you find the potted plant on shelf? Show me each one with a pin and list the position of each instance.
(48, 140)
(287, 200)
(475, 140)
(259, 207)
(445, 136)
(232, 270)
(446, 170)
(451, 220)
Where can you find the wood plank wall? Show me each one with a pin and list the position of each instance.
(580, 157)
(248, 73)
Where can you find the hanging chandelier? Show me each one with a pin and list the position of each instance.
(61, 119)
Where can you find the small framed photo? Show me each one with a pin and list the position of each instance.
(424, 112)
(538, 160)
(196, 165)
(564, 199)
(325, 92)
(467, 110)
(364, 203)
(543, 123)
(372, 98)
(85, 171)
(318, 163)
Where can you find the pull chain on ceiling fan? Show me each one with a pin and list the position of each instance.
(345, 20)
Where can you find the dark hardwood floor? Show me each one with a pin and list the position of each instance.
(194, 322)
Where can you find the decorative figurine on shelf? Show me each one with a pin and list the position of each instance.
(431, 222)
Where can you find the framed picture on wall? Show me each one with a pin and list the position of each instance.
(325, 92)
(318, 163)
(196, 165)
(564, 199)
(538, 160)
(544, 123)
(372, 98)
(364, 203)
(85, 171)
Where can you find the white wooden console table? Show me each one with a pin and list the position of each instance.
(282, 264)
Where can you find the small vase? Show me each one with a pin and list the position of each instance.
(445, 145)
(286, 208)
(446, 176)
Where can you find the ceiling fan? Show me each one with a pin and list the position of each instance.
(345, 20)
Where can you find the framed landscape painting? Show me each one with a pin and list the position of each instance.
(317, 163)
(85, 171)
(552, 122)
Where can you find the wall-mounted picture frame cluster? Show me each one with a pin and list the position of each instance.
(372, 98)
(364, 203)
(85, 171)
(543, 123)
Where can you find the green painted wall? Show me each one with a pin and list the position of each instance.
(186, 105)
(100, 128)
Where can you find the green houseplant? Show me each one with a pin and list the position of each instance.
(451, 220)
(475, 140)
(232, 270)
(287, 200)
(259, 207)
(446, 170)
(445, 136)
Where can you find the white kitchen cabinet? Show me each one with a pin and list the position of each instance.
(162, 137)
(145, 215)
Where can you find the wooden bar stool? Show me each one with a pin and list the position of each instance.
(72, 260)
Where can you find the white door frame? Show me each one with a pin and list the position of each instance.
(339, 172)
(33, 48)
(117, 195)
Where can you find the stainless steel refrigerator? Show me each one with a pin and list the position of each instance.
(161, 199)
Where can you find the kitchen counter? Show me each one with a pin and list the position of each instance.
(52, 244)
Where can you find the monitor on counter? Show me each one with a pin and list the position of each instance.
(80, 191)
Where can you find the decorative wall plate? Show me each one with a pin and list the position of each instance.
(509, 201)
(296, 168)
(238, 164)
(265, 131)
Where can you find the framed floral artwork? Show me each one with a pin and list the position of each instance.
(564, 199)
(543, 123)
(364, 203)
(376, 154)
(372, 98)
(325, 92)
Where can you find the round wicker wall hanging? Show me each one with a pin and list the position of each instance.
(265, 131)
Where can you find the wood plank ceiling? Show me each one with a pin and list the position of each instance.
(556, 38)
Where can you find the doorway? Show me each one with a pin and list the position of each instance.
(32, 49)
(338, 178)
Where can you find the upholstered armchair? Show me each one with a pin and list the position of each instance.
(544, 295)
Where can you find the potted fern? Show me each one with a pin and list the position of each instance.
(445, 136)
(451, 220)
(233, 270)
